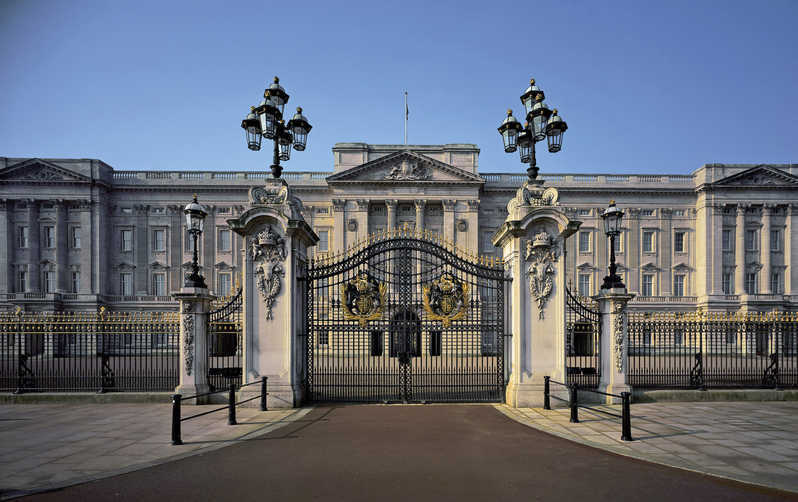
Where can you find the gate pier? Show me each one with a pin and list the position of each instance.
(276, 239)
(194, 307)
(532, 239)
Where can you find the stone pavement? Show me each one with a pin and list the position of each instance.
(753, 442)
(44, 446)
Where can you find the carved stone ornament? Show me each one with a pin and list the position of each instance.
(364, 299)
(620, 312)
(542, 253)
(462, 225)
(533, 194)
(269, 194)
(268, 251)
(352, 225)
(408, 170)
(446, 299)
(188, 336)
(42, 174)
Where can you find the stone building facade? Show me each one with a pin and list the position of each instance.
(76, 233)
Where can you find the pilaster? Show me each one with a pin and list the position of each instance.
(390, 206)
(193, 361)
(739, 250)
(614, 342)
(8, 241)
(85, 254)
(448, 219)
(790, 249)
(764, 239)
(62, 245)
(141, 240)
(34, 250)
(339, 230)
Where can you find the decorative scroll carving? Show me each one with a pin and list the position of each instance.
(268, 251)
(542, 253)
(364, 299)
(409, 170)
(274, 194)
(446, 299)
(188, 336)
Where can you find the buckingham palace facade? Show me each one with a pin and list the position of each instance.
(78, 234)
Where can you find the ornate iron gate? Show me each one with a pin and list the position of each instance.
(225, 343)
(403, 317)
(582, 331)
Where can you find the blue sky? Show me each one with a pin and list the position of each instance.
(645, 87)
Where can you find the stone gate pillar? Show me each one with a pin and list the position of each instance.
(276, 239)
(193, 361)
(533, 241)
(614, 342)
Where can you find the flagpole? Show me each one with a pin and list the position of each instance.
(406, 114)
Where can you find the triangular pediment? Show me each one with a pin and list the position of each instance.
(39, 170)
(405, 167)
(759, 176)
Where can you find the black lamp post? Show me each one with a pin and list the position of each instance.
(266, 120)
(612, 227)
(195, 217)
(541, 123)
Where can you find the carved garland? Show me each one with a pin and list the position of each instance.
(542, 253)
(620, 319)
(188, 336)
(268, 251)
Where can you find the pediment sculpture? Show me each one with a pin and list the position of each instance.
(268, 252)
(409, 170)
(542, 253)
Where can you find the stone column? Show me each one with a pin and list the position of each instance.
(420, 205)
(665, 253)
(176, 237)
(633, 250)
(448, 219)
(141, 250)
(532, 240)
(194, 307)
(277, 239)
(34, 247)
(471, 242)
(362, 218)
(739, 251)
(8, 235)
(390, 206)
(63, 241)
(764, 239)
(717, 250)
(339, 228)
(86, 240)
(790, 247)
(614, 339)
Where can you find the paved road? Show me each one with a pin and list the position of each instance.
(410, 453)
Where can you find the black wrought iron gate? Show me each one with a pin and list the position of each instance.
(405, 318)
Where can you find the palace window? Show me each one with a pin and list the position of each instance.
(159, 239)
(678, 242)
(49, 281)
(775, 240)
(751, 240)
(22, 237)
(49, 237)
(646, 212)
(22, 281)
(678, 285)
(75, 237)
(678, 212)
(584, 285)
(126, 284)
(648, 241)
(324, 241)
(159, 284)
(127, 239)
(751, 286)
(584, 242)
(776, 285)
(225, 284)
(728, 283)
(583, 211)
(75, 282)
(225, 240)
(647, 286)
(727, 240)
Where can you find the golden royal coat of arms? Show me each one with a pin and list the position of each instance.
(363, 299)
(446, 299)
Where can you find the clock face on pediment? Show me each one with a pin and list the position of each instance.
(404, 167)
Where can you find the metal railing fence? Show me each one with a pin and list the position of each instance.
(89, 351)
(713, 349)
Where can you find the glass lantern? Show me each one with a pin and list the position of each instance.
(554, 132)
(195, 216)
(509, 130)
(539, 117)
(525, 143)
(530, 95)
(251, 126)
(277, 95)
(299, 127)
(284, 140)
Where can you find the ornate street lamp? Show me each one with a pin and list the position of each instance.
(266, 120)
(195, 216)
(542, 123)
(612, 227)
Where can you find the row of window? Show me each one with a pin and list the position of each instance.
(158, 285)
(224, 241)
(48, 237)
(647, 240)
(647, 284)
(752, 240)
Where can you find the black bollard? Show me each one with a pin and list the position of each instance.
(176, 439)
(546, 390)
(626, 419)
(263, 393)
(573, 388)
(231, 405)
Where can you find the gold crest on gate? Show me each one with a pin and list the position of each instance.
(363, 299)
(446, 299)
